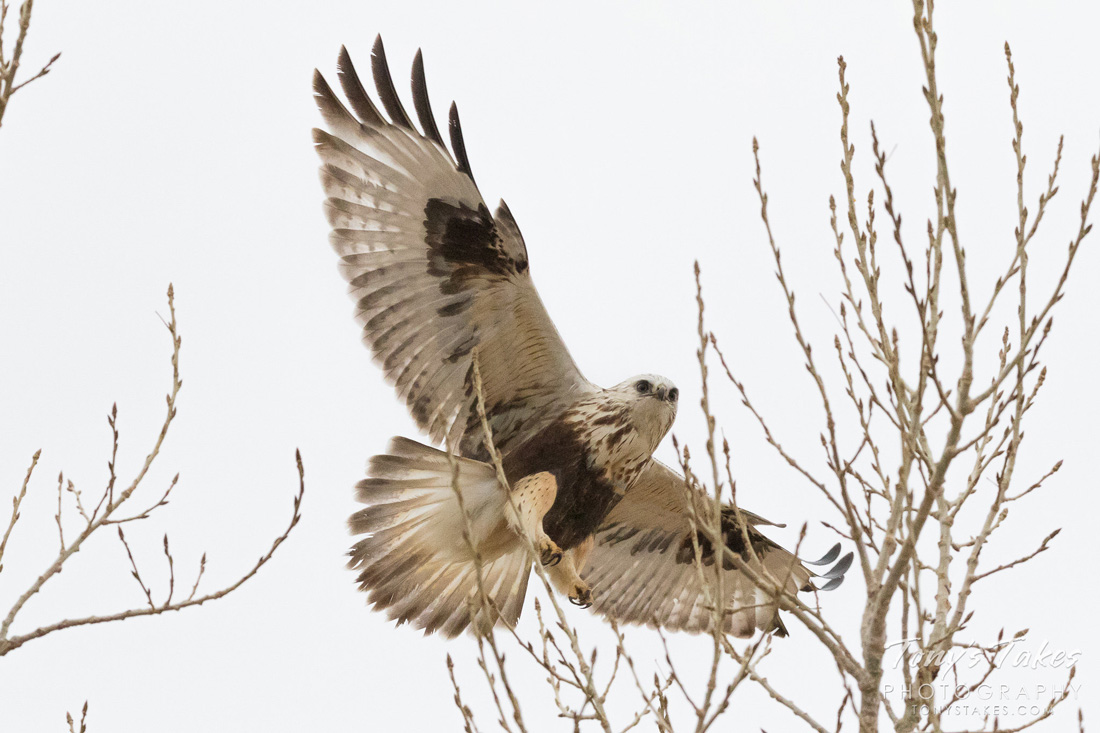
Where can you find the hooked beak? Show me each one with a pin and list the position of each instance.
(661, 394)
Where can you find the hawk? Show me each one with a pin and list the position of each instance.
(437, 278)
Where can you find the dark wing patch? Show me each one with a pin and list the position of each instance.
(732, 537)
(462, 237)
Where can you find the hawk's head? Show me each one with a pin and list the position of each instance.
(651, 401)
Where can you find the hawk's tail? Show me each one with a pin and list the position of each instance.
(416, 561)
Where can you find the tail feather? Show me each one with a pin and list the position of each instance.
(415, 561)
(505, 583)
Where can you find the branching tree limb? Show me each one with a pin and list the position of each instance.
(107, 511)
(9, 66)
(957, 443)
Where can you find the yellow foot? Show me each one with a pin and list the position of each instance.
(581, 595)
(549, 552)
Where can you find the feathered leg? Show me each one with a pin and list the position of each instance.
(532, 497)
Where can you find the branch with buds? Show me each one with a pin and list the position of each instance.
(110, 509)
(9, 66)
(916, 552)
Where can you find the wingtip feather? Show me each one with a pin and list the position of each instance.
(838, 570)
(355, 91)
(383, 83)
(828, 557)
(457, 141)
(421, 102)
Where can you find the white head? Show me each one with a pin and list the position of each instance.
(651, 401)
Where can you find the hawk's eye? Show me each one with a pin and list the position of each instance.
(673, 394)
(643, 387)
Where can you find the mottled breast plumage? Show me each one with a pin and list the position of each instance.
(594, 453)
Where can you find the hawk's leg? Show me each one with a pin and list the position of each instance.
(532, 497)
(567, 578)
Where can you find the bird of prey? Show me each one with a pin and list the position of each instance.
(438, 278)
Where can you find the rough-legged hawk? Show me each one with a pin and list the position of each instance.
(437, 277)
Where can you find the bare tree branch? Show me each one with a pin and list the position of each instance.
(10, 66)
(110, 505)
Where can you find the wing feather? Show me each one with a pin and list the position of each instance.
(433, 274)
(421, 102)
(355, 92)
(457, 141)
(644, 570)
(383, 82)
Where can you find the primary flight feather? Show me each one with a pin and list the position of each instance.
(437, 277)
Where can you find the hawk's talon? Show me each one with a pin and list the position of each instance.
(581, 596)
(550, 554)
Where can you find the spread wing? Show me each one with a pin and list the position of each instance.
(643, 567)
(433, 273)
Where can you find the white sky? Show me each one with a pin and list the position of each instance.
(171, 144)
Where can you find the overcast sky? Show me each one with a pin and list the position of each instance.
(171, 143)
